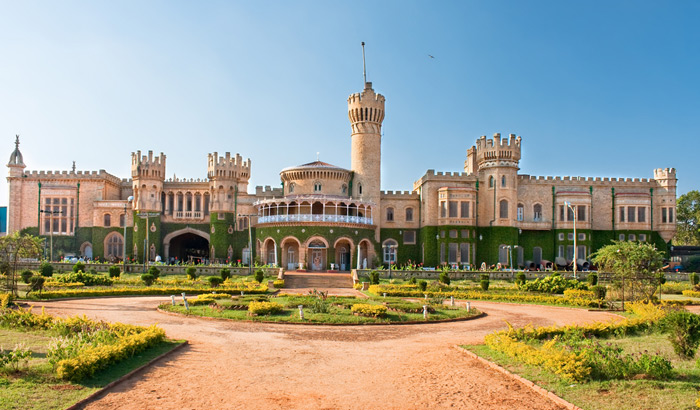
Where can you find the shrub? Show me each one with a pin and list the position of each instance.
(520, 278)
(484, 276)
(592, 279)
(46, 269)
(79, 267)
(148, 279)
(599, 291)
(154, 271)
(5, 300)
(422, 285)
(413, 280)
(15, 356)
(484, 284)
(552, 284)
(26, 275)
(363, 309)
(684, 329)
(36, 283)
(264, 308)
(374, 278)
(85, 278)
(694, 278)
(692, 264)
(225, 273)
(259, 275)
(114, 272)
(214, 281)
(691, 293)
(576, 293)
(93, 271)
(445, 278)
(279, 284)
(191, 272)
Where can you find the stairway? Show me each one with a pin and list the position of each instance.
(293, 280)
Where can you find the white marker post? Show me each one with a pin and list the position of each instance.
(301, 312)
(425, 312)
(172, 297)
(184, 299)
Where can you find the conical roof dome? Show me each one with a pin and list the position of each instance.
(16, 156)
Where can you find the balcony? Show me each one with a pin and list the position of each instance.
(188, 215)
(315, 218)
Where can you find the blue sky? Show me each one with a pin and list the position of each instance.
(595, 88)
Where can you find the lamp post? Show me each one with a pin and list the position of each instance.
(573, 210)
(129, 199)
(50, 229)
(390, 251)
(250, 243)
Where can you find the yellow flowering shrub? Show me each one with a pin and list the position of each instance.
(691, 293)
(579, 293)
(363, 309)
(70, 293)
(5, 300)
(264, 308)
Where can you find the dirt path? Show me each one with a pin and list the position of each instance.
(233, 365)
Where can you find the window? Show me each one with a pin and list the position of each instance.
(122, 220)
(390, 214)
(537, 212)
(581, 252)
(453, 233)
(359, 189)
(504, 208)
(561, 236)
(581, 210)
(221, 216)
(409, 214)
(503, 181)
(453, 209)
(632, 237)
(622, 214)
(561, 251)
(465, 209)
(242, 223)
(622, 237)
(664, 215)
(389, 249)
(570, 252)
(521, 212)
(442, 234)
(443, 209)
(107, 220)
(442, 253)
(409, 237)
(465, 233)
(569, 214)
(317, 186)
(491, 182)
(114, 246)
(670, 215)
(631, 214)
(570, 236)
(291, 187)
(641, 214)
(561, 212)
(521, 255)
(642, 237)
(582, 237)
(464, 252)
(452, 255)
(503, 255)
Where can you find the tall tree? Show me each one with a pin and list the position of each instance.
(14, 249)
(688, 219)
(633, 265)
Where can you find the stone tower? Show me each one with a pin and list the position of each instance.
(14, 181)
(665, 202)
(366, 113)
(227, 176)
(496, 162)
(147, 173)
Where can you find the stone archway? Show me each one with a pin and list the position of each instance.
(290, 253)
(364, 255)
(186, 242)
(343, 248)
(269, 252)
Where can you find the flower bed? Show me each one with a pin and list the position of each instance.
(126, 291)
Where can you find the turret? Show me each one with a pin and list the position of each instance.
(14, 181)
(366, 113)
(227, 176)
(148, 173)
(16, 163)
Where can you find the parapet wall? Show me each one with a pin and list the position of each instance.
(75, 175)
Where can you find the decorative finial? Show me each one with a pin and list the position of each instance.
(364, 66)
(16, 140)
(317, 154)
(73, 166)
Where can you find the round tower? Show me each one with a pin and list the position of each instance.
(14, 181)
(147, 173)
(366, 113)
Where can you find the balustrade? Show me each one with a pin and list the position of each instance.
(315, 218)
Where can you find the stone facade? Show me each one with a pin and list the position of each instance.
(326, 217)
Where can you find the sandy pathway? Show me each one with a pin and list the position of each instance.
(233, 365)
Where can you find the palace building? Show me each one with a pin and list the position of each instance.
(325, 217)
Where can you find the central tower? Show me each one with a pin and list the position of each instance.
(366, 113)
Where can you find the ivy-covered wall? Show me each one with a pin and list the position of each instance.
(490, 239)
(428, 246)
(405, 252)
(155, 237)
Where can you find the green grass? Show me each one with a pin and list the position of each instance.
(336, 315)
(35, 386)
(680, 392)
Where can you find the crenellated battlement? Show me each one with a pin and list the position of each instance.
(147, 166)
(268, 191)
(497, 149)
(399, 195)
(577, 181)
(664, 173)
(366, 106)
(228, 167)
(73, 175)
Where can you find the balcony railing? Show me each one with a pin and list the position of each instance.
(315, 218)
(188, 215)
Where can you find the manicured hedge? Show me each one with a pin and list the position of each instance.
(691, 293)
(73, 293)
(363, 309)
(264, 308)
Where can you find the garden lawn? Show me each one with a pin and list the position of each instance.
(678, 392)
(36, 387)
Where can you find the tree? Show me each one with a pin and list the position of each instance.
(15, 248)
(633, 265)
(688, 219)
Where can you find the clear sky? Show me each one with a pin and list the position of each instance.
(595, 88)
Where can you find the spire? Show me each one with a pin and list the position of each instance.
(16, 156)
(364, 65)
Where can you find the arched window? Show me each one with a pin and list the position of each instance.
(291, 187)
(122, 220)
(409, 214)
(537, 213)
(114, 246)
(389, 250)
(503, 208)
(107, 220)
(521, 212)
(503, 181)
(317, 186)
(503, 254)
(491, 181)
(390, 214)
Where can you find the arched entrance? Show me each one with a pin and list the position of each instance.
(270, 252)
(316, 254)
(343, 252)
(186, 245)
(364, 259)
(290, 253)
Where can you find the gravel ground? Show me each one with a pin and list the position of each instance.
(235, 365)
